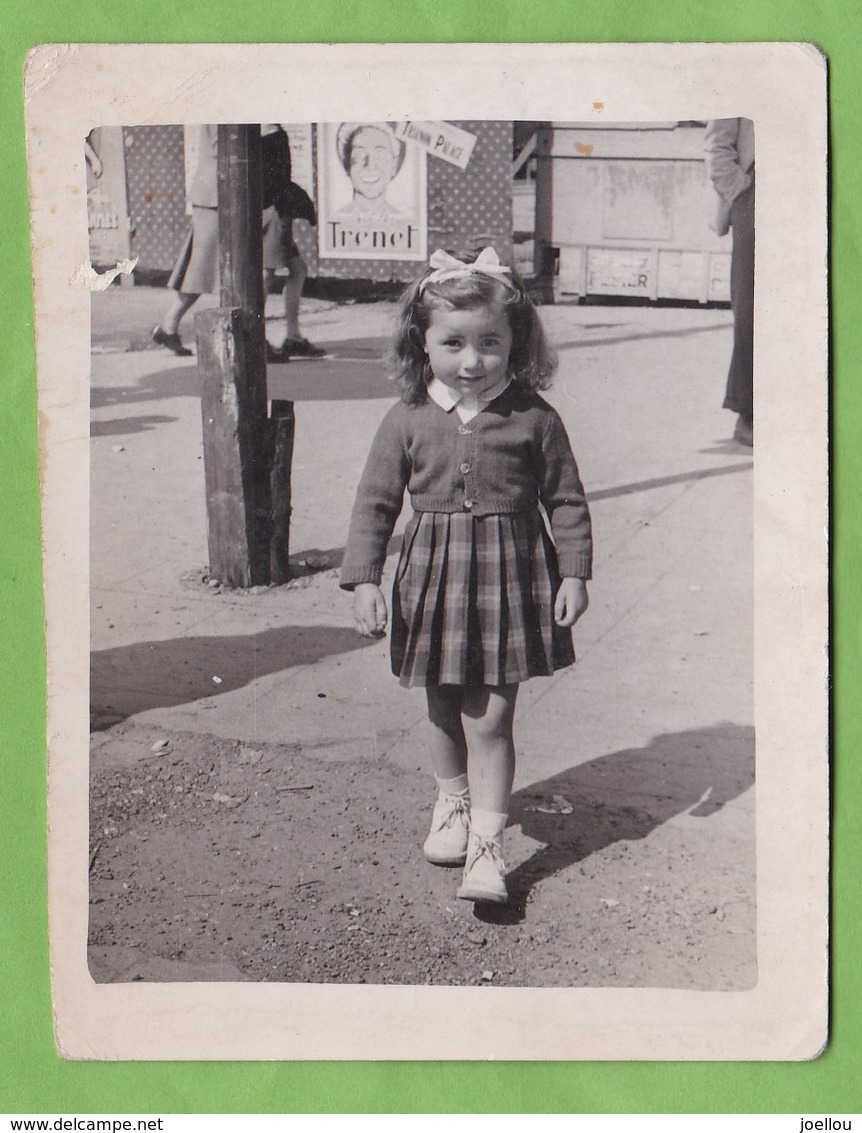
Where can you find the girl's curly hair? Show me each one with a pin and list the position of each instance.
(531, 361)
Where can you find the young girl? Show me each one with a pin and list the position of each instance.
(482, 598)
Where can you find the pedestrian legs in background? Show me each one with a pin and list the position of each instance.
(739, 394)
(195, 273)
(166, 333)
(281, 259)
(295, 345)
(293, 284)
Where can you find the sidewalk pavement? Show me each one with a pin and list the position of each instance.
(659, 706)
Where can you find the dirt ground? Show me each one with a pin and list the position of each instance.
(216, 860)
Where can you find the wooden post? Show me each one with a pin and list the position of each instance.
(282, 424)
(246, 456)
(240, 239)
(231, 435)
(543, 263)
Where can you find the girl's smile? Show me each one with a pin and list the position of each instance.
(468, 350)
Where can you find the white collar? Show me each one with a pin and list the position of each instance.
(448, 399)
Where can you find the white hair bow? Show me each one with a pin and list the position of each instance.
(448, 267)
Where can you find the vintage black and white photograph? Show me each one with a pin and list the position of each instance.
(428, 529)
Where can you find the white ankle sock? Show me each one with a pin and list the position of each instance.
(456, 786)
(488, 824)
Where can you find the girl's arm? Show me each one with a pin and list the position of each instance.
(562, 495)
(379, 499)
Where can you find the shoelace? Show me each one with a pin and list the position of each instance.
(485, 848)
(460, 809)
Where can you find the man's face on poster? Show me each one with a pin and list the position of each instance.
(372, 162)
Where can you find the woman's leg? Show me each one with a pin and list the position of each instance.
(181, 303)
(166, 333)
(293, 285)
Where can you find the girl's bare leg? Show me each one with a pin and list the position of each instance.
(446, 843)
(448, 745)
(487, 718)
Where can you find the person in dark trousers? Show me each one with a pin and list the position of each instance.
(729, 148)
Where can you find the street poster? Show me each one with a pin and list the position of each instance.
(107, 206)
(372, 201)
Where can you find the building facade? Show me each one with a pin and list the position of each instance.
(589, 212)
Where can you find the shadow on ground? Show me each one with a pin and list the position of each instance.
(665, 481)
(124, 426)
(624, 797)
(625, 333)
(158, 674)
(352, 372)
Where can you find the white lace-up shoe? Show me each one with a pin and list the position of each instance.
(446, 843)
(485, 872)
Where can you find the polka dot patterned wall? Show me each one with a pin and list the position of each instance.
(156, 188)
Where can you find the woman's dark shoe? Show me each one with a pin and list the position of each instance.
(171, 341)
(276, 353)
(301, 348)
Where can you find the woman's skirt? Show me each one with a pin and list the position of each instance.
(473, 601)
(278, 245)
(196, 270)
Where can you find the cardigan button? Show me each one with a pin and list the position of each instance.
(465, 467)
(464, 431)
(468, 504)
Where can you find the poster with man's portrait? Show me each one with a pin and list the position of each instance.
(371, 191)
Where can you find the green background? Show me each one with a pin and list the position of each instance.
(32, 1078)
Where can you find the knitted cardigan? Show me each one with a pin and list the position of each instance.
(511, 457)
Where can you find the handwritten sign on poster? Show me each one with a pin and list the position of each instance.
(440, 139)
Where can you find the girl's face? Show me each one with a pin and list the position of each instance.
(469, 350)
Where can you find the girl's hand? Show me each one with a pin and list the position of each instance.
(572, 599)
(369, 610)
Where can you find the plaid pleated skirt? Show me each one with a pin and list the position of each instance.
(473, 601)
